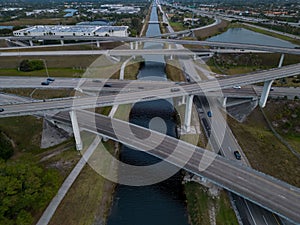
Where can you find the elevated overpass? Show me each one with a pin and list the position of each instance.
(264, 190)
(158, 40)
(147, 95)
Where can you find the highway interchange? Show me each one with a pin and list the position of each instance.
(255, 186)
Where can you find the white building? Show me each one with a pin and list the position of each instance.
(75, 30)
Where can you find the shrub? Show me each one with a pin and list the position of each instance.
(31, 65)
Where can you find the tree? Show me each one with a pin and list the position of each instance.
(31, 65)
(6, 148)
(25, 187)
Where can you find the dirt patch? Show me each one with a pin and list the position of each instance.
(211, 31)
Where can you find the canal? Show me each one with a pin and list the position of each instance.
(159, 203)
(244, 36)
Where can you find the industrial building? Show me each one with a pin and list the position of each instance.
(75, 30)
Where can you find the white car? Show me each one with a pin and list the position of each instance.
(236, 87)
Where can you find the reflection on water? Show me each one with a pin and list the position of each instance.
(244, 36)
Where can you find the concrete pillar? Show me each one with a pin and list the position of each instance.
(195, 57)
(30, 42)
(281, 60)
(62, 42)
(136, 45)
(76, 130)
(265, 93)
(98, 44)
(170, 47)
(267, 86)
(131, 45)
(183, 99)
(188, 113)
(224, 101)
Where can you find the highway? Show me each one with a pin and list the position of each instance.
(146, 95)
(174, 41)
(264, 190)
(118, 52)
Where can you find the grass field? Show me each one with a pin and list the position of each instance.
(174, 71)
(268, 154)
(199, 203)
(88, 200)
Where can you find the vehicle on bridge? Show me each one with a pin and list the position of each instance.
(1, 109)
(209, 114)
(45, 82)
(175, 89)
(50, 79)
(237, 155)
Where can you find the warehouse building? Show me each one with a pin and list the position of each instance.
(75, 30)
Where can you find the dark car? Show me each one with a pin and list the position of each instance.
(45, 82)
(107, 85)
(50, 79)
(237, 155)
(209, 114)
(1, 109)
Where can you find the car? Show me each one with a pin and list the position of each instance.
(271, 89)
(50, 79)
(209, 114)
(1, 109)
(45, 82)
(175, 89)
(237, 155)
(107, 85)
(237, 87)
(97, 81)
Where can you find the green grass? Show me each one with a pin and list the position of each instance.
(25, 131)
(197, 203)
(122, 112)
(89, 198)
(174, 71)
(225, 214)
(53, 72)
(177, 26)
(41, 93)
(268, 154)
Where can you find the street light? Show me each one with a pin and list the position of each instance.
(45, 67)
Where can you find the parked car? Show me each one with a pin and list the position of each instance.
(237, 155)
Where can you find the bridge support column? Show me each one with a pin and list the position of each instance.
(62, 42)
(281, 60)
(170, 47)
(76, 130)
(267, 87)
(136, 45)
(131, 45)
(265, 93)
(188, 113)
(30, 42)
(224, 101)
(195, 57)
(98, 44)
(183, 100)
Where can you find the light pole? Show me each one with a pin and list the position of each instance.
(45, 67)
